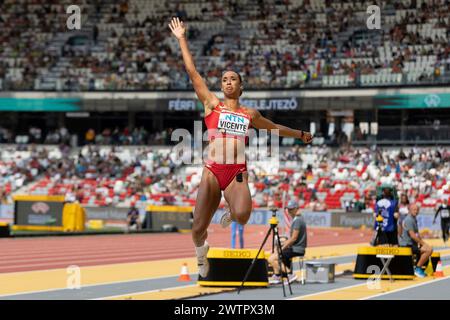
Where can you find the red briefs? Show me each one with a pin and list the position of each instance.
(225, 173)
(222, 122)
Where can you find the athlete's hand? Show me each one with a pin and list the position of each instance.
(306, 137)
(177, 27)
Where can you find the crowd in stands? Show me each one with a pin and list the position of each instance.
(94, 175)
(28, 28)
(137, 136)
(318, 177)
(116, 137)
(275, 44)
(19, 166)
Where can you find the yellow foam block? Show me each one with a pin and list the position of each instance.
(96, 224)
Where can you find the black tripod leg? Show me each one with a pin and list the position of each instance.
(376, 242)
(273, 241)
(280, 261)
(280, 264)
(254, 261)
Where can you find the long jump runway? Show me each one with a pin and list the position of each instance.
(146, 266)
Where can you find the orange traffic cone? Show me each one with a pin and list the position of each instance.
(439, 273)
(184, 275)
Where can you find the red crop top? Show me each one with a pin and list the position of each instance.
(222, 122)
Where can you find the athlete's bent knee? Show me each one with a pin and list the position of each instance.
(242, 216)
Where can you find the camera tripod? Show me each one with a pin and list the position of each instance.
(275, 246)
(380, 236)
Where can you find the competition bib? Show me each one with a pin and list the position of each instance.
(445, 212)
(233, 124)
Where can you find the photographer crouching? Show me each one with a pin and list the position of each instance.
(294, 246)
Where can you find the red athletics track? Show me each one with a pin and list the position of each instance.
(26, 254)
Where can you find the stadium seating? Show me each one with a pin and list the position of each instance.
(153, 175)
(276, 44)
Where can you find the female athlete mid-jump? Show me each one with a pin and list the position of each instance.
(228, 123)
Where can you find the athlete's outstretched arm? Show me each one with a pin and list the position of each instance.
(436, 214)
(208, 98)
(259, 122)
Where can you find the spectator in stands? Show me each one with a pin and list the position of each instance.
(315, 204)
(133, 217)
(35, 134)
(35, 164)
(444, 211)
(302, 25)
(64, 135)
(411, 238)
(90, 136)
(52, 137)
(293, 247)
(3, 198)
(368, 204)
(95, 32)
(3, 135)
(355, 206)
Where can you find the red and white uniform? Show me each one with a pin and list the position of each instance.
(225, 123)
(222, 122)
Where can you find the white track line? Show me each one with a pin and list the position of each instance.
(142, 292)
(352, 286)
(94, 266)
(327, 291)
(152, 278)
(97, 284)
(406, 288)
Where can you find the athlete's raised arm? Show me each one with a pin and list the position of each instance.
(260, 122)
(208, 98)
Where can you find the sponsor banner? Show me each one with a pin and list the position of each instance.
(279, 104)
(38, 213)
(183, 105)
(262, 216)
(46, 104)
(318, 219)
(352, 219)
(78, 114)
(158, 217)
(250, 94)
(153, 217)
(356, 220)
(157, 220)
(341, 113)
(6, 211)
(107, 213)
(258, 216)
(413, 101)
(277, 100)
(425, 221)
